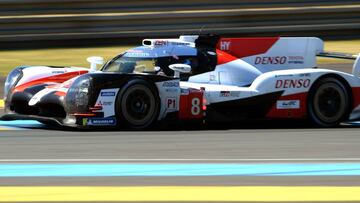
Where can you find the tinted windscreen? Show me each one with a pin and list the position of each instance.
(131, 65)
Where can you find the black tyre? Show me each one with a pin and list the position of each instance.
(328, 102)
(137, 105)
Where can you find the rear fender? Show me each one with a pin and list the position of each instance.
(295, 85)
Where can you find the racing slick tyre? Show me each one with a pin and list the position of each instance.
(328, 102)
(137, 105)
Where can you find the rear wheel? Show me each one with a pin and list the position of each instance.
(138, 105)
(328, 103)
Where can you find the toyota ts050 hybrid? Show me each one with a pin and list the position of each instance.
(202, 78)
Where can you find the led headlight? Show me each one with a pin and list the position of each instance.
(78, 96)
(11, 80)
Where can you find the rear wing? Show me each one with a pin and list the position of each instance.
(337, 55)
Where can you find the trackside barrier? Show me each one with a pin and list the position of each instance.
(23, 21)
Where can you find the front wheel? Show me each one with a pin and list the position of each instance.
(138, 105)
(328, 102)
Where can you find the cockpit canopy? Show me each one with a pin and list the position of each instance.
(156, 60)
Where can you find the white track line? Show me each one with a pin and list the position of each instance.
(180, 160)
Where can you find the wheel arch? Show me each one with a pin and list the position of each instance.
(134, 80)
(149, 80)
(341, 79)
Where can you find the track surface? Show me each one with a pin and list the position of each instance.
(235, 146)
(243, 146)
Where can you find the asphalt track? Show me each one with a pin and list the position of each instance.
(241, 163)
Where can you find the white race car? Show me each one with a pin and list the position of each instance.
(203, 78)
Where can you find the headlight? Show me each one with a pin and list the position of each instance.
(11, 80)
(78, 95)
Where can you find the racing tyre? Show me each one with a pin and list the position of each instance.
(328, 102)
(138, 105)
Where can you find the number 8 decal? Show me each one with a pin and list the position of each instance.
(195, 106)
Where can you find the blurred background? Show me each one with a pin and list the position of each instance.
(54, 23)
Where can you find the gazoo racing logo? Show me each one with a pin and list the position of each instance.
(272, 60)
(292, 83)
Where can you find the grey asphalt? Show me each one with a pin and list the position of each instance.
(212, 144)
(289, 145)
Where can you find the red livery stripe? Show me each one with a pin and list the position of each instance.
(60, 94)
(244, 47)
(223, 57)
(51, 79)
(356, 96)
(300, 112)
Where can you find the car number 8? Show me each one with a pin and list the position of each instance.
(195, 106)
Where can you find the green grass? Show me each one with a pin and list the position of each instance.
(77, 56)
(55, 57)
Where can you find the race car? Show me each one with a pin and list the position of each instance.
(203, 78)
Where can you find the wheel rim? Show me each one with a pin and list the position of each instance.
(138, 105)
(330, 102)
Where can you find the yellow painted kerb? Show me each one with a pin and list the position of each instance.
(179, 193)
(1, 104)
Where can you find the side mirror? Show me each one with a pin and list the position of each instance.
(94, 61)
(180, 68)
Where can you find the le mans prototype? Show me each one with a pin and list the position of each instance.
(195, 78)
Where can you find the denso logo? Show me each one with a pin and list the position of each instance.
(270, 60)
(296, 83)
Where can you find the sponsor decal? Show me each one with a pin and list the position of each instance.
(165, 43)
(286, 75)
(180, 43)
(225, 45)
(99, 121)
(288, 104)
(185, 91)
(58, 72)
(272, 60)
(171, 90)
(106, 100)
(104, 103)
(295, 59)
(171, 103)
(108, 94)
(137, 54)
(171, 84)
(160, 43)
(296, 62)
(229, 94)
(295, 83)
(212, 78)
